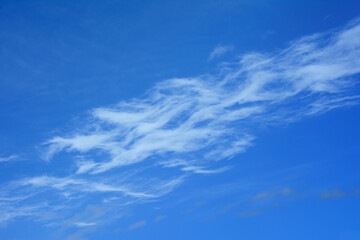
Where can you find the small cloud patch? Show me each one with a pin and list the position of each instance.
(337, 193)
(137, 225)
(160, 218)
(220, 51)
(84, 224)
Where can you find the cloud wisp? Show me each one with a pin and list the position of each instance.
(48, 198)
(337, 193)
(185, 126)
(10, 158)
(220, 51)
(137, 225)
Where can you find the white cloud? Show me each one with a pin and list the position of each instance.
(188, 167)
(190, 125)
(66, 195)
(69, 186)
(85, 166)
(210, 118)
(137, 225)
(84, 224)
(10, 158)
(220, 51)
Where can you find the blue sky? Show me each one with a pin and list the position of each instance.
(179, 120)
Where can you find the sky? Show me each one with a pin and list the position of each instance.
(179, 120)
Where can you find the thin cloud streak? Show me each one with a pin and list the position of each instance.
(10, 158)
(84, 224)
(67, 195)
(81, 185)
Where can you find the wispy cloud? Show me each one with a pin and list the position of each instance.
(69, 185)
(84, 224)
(269, 195)
(250, 213)
(220, 51)
(67, 195)
(337, 193)
(263, 196)
(267, 200)
(188, 166)
(137, 225)
(10, 158)
(189, 125)
(192, 122)
(159, 218)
